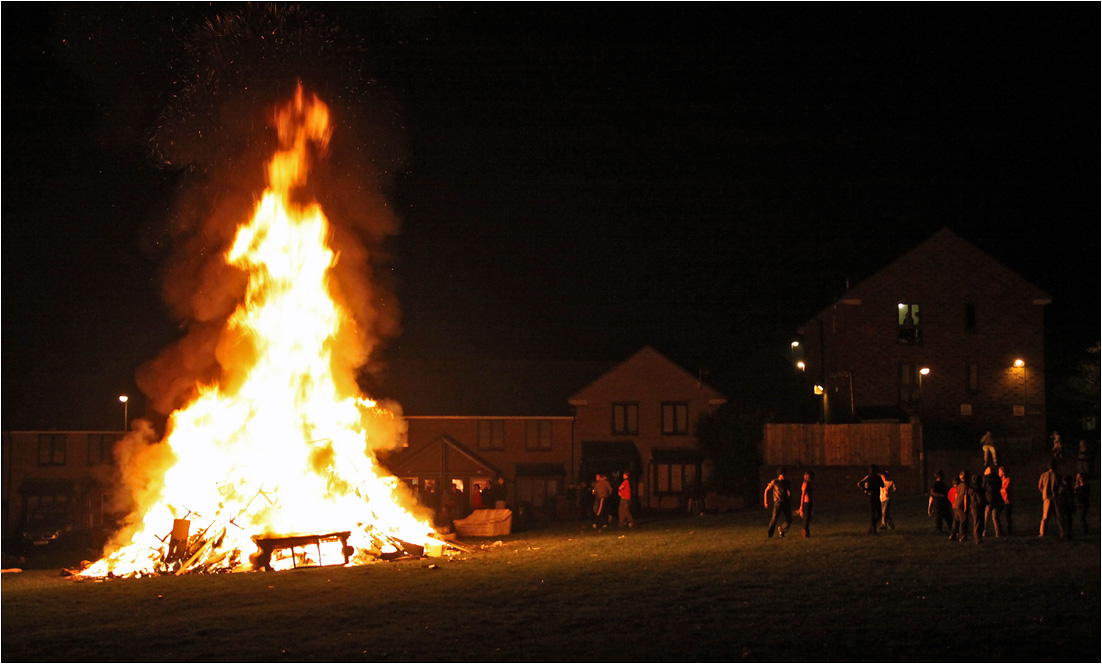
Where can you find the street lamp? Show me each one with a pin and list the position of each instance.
(924, 371)
(125, 419)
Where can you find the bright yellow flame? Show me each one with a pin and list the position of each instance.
(277, 447)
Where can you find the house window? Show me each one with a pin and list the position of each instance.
(908, 330)
(491, 434)
(538, 435)
(625, 419)
(910, 384)
(966, 409)
(99, 448)
(675, 418)
(51, 449)
(970, 317)
(674, 477)
(973, 377)
(538, 491)
(1018, 411)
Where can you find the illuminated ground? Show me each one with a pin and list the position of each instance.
(707, 588)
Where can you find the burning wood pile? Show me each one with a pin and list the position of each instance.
(272, 464)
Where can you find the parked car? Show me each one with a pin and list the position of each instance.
(49, 529)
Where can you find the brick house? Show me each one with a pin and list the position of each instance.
(549, 427)
(944, 334)
(639, 417)
(71, 473)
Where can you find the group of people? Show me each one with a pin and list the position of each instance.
(780, 491)
(969, 506)
(602, 501)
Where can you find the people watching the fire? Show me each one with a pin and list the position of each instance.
(807, 507)
(992, 496)
(624, 492)
(871, 485)
(1007, 493)
(940, 508)
(886, 492)
(1047, 485)
(781, 492)
(1082, 498)
(602, 510)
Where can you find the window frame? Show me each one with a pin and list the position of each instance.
(679, 426)
(491, 435)
(52, 449)
(629, 411)
(908, 333)
(538, 431)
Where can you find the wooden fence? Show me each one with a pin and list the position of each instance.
(885, 444)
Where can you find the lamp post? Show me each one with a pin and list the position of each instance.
(924, 371)
(125, 405)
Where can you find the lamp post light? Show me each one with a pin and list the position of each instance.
(125, 418)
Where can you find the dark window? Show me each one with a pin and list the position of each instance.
(675, 418)
(625, 419)
(99, 448)
(51, 449)
(491, 434)
(538, 435)
(910, 384)
(538, 490)
(973, 377)
(908, 329)
(970, 317)
(674, 477)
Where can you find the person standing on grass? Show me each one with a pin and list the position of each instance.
(940, 507)
(871, 485)
(602, 492)
(782, 503)
(1082, 499)
(1065, 506)
(886, 492)
(625, 503)
(1005, 492)
(806, 503)
(959, 494)
(976, 506)
(992, 495)
(1047, 485)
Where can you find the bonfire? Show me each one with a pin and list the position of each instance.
(273, 465)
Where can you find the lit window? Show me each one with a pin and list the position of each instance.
(908, 330)
(675, 418)
(538, 435)
(491, 434)
(625, 419)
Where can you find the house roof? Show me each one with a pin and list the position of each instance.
(644, 362)
(944, 253)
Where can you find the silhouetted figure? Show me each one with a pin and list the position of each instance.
(602, 510)
(940, 507)
(1065, 506)
(886, 492)
(1047, 485)
(781, 493)
(625, 502)
(992, 496)
(871, 485)
(1082, 499)
(807, 504)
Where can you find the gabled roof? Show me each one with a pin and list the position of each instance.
(431, 458)
(944, 253)
(647, 362)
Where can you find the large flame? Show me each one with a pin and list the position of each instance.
(283, 444)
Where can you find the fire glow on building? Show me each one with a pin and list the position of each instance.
(273, 466)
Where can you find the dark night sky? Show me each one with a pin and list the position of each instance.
(579, 180)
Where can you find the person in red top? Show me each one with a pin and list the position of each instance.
(625, 502)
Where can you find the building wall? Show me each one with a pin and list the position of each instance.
(973, 311)
(649, 380)
(514, 450)
(43, 468)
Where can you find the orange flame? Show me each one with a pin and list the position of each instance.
(278, 446)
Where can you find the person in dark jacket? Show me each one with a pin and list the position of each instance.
(992, 495)
(871, 485)
(781, 491)
(976, 506)
(940, 508)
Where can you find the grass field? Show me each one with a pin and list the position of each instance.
(691, 588)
